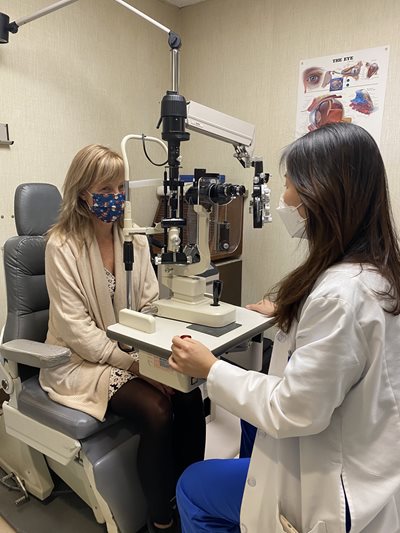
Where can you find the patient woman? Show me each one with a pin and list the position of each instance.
(86, 284)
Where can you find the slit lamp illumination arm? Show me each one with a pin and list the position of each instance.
(241, 135)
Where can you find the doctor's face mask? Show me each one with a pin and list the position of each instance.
(293, 221)
(108, 207)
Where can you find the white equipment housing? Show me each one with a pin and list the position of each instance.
(220, 126)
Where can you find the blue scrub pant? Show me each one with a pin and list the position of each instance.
(248, 436)
(209, 496)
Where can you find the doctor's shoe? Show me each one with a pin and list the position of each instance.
(173, 528)
(177, 519)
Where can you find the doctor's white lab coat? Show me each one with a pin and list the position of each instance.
(328, 413)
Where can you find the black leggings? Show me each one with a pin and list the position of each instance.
(172, 436)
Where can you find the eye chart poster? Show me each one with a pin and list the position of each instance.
(344, 87)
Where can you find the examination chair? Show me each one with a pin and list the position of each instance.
(96, 459)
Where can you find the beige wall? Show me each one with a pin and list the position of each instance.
(243, 58)
(89, 73)
(94, 72)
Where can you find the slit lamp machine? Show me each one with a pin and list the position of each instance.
(190, 311)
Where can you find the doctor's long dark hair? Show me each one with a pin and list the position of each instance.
(340, 177)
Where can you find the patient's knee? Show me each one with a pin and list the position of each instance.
(161, 413)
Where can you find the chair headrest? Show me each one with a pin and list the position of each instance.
(36, 207)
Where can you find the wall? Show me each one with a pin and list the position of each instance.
(93, 72)
(89, 73)
(242, 58)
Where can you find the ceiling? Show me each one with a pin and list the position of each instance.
(183, 3)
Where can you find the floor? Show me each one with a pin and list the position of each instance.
(63, 512)
(223, 436)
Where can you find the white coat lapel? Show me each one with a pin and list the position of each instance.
(281, 352)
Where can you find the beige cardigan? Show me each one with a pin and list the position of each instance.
(80, 312)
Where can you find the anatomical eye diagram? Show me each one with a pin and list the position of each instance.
(352, 71)
(372, 69)
(362, 102)
(343, 87)
(326, 109)
(318, 77)
(314, 78)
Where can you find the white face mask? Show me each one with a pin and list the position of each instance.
(293, 221)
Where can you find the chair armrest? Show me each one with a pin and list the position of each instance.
(32, 353)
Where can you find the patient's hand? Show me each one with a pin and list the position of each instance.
(265, 307)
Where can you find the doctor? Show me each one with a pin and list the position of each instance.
(326, 456)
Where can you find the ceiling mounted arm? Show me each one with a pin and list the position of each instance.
(7, 27)
(144, 16)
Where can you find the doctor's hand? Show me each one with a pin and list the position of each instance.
(191, 357)
(265, 307)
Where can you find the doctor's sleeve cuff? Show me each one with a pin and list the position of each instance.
(244, 393)
(221, 384)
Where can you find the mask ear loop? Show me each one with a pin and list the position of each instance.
(292, 206)
(84, 201)
(300, 204)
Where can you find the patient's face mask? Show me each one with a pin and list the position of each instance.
(293, 221)
(108, 207)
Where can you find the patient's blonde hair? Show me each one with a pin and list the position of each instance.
(94, 164)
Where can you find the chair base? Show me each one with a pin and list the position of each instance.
(102, 470)
(27, 463)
